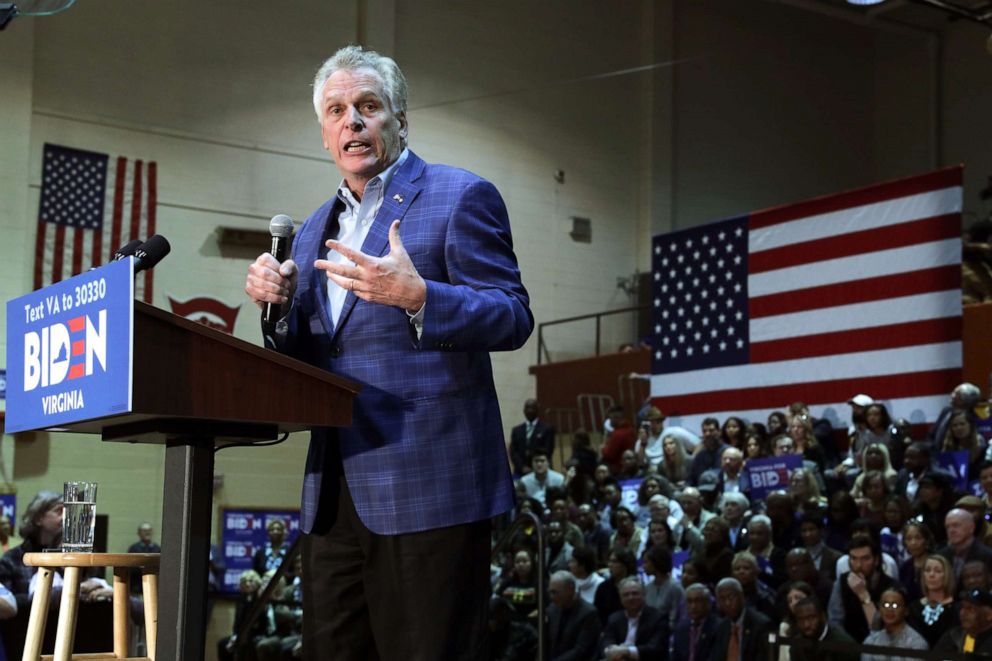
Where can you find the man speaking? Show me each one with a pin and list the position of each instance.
(403, 281)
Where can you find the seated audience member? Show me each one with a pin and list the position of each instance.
(541, 477)
(801, 433)
(964, 397)
(915, 464)
(675, 461)
(823, 431)
(733, 432)
(757, 594)
(734, 507)
(867, 528)
(528, 436)
(731, 477)
(934, 500)
(248, 586)
(629, 468)
(694, 516)
(771, 560)
(509, 639)
(895, 632)
(271, 555)
(812, 624)
(558, 551)
(805, 491)
(650, 439)
(41, 529)
(659, 534)
(628, 535)
(871, 500)
(694, 638)
(620, 438)
(897, 513)
(582, 565)
(856, 593)
(610, 500)
(974, 634)
(574, 625)
(935, 613)
(560, 512)
(824, 557)
(520, 586)
(777, 423)
(799, 567)
(875, 429)
(622, 564)
(651, 486)
(743, 633)
(841, 513)
(708, 453)
(962, 434)
(280, 621)
(787, 628)
(918, 542)
(638, 631)
(707, 488)
(976, 574)
(593, 535)
(985, 480)
(785, 526)
(716, 558)
(961, 543)
(973, 505)
(584, 457)
(756, 446)
(663, 592)
(783, 445)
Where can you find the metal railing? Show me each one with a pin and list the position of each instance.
(500, 546)
(542, 349)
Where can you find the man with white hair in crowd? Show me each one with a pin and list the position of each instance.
(733, 507)
(638, 631)
(744, 631)
(573, 623)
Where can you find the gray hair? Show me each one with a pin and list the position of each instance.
(760, 518)
(658, 498)
(736, 497)
(731, 583)
(563, 576)
(699, 587)
(969, 393)
(631, 580)
(40, 504)
(352, 58)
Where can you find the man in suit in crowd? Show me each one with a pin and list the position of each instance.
(743, 634)
(637, 631)
(529, 436)
(962, 546)
(695, 636)
(916, 463)
(403, 281)
(573, 624)
(813, 626)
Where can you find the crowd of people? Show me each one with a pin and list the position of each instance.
(658, 546)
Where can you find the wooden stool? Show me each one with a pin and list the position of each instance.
(121, 562)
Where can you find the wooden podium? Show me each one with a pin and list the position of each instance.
(195, 389)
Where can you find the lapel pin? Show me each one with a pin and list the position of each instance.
(398, 198)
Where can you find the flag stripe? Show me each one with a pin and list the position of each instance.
(117, 219)
(136, 201)
(77, 252)
(946, 178)
(881, 362)
(57, 253)
(855, 243)
(911, 384)
(856, 291)
(858, 315)
(856, 267)
(150, 222)
(39, 255)
(931, 331)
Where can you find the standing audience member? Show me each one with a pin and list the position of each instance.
(620, 437)
(574, 625)
(529, 436)
(638, 631)
(270, 556)
(694, 638)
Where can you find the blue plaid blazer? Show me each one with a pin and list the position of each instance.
(426, 447)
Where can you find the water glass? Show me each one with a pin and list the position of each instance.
(79, 518)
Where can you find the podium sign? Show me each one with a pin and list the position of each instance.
(69, 349)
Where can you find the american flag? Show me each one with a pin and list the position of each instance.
(817, 301)
(91, 204)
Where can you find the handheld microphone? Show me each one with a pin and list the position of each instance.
(281, 229)
(151, 253)
(127, 250)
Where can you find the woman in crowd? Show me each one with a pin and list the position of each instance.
(621, 564)
(962, 435)
(715, 561)
(777, 424)
(934, 499)
(601, 476)
(795, 592)
(935, 612)
(876, 429)
(801, 432)
(582, 564)
(41, 530)
(675, 461)
(918, 542)
(628, 535)
(659, 534)
(663, 593)
(520, 586)
(756, 446)
(897, 513)
(652, 485)
(873, 493)
(895, 632)
(843, 511)
(733, 432)
(805, 491)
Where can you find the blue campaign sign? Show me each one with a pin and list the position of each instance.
(243, 531)
(3, 384)
(771, 474)
(8, 508)
(628, 493)
(957, 463)
(69, 350)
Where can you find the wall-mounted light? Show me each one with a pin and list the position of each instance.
(865, 3)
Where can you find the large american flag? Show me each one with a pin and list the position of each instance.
(817, 301)
(91, 204)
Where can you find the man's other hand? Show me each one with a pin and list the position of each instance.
(390, 280)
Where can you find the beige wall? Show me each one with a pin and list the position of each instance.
(769, 103)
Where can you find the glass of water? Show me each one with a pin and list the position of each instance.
(79, 518)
